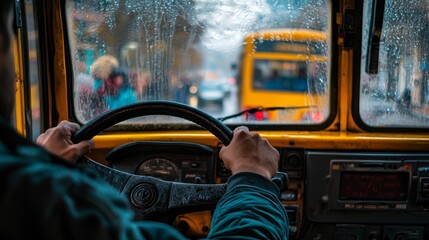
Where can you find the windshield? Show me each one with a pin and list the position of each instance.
(196, 53)
(396, 94)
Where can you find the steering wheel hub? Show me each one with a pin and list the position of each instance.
(144, 195)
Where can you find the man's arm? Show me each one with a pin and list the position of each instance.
(250, 208)
(49, 201)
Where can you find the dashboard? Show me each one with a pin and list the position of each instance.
(331, 195)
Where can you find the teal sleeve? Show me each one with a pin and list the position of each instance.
(250, 209)
(41, 200)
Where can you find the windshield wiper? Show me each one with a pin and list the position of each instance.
(261, 109)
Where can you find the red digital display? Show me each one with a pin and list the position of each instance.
(374, 186)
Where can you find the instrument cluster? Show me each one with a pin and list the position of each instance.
(170, 161)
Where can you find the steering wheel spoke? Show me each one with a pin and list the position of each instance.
(195, 196)
(115, 178)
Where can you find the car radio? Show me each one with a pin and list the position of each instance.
(369, 185)
(371, 188)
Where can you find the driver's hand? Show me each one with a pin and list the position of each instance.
(249, 152)
(57, 140)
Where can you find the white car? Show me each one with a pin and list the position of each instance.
(211, 93)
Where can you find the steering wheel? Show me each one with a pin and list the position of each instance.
(148, 195)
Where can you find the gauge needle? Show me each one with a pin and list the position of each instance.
(369, 185)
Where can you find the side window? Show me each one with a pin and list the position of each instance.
(395, 94)
(32, 71)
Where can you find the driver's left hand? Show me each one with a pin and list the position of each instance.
(57, 140)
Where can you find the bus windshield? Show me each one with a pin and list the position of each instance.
(293, 79)
(196, 53)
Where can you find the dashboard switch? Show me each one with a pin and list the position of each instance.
(423, 189)
(197, 180)
(281, 179)
(289, 195)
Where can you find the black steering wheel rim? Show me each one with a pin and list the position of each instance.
(168, 108)
(160, 197)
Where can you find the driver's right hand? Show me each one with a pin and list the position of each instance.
(249, 152)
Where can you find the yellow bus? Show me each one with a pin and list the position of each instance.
(285, 69)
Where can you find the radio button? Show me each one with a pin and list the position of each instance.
(401, 206)
(370, 206)
(382, 206)
(424, 188)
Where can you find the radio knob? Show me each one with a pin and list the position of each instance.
(325, 199)
(375, 235)
(400, 236)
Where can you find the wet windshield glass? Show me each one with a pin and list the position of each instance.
(397, 94)
(206, 54)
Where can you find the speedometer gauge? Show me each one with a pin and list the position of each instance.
(160, 168)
